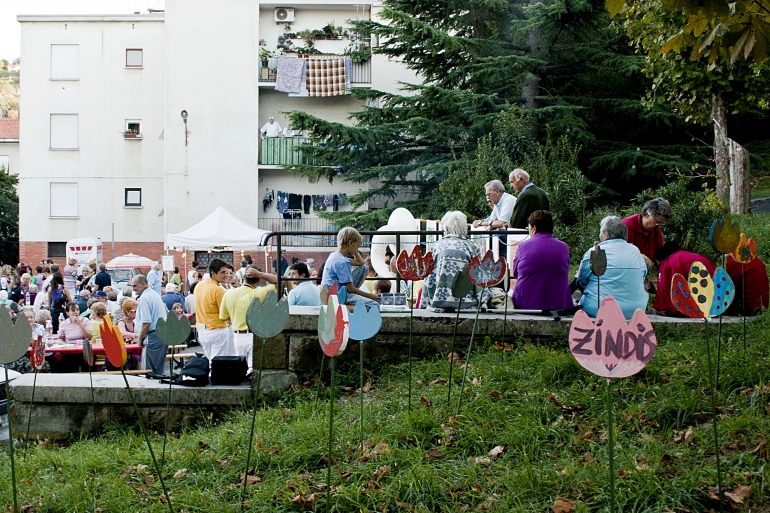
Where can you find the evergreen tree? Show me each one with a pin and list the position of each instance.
(9, 219)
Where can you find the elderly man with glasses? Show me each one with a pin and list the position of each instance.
(502, 205)
(149, 310)
(644, 228)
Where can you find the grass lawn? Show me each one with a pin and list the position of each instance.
(532, 434)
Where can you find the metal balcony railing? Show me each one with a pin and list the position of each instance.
(318, 226)
(360, 73)
(284, 151)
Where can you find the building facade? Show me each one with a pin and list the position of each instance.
(136, 126)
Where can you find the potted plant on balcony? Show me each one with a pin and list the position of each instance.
(264, 55)
(307, 37)
(131, 134)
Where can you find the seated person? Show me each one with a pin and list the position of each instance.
(541, 268)
(127, 325)
(171, 297)
(757, 294)
(451, 254)
(75, 328)
(381, 287)
(644, 228)
(624, 278)
(339, 268)
(305, 293)
(671, 260)
(82, 300)
(98, 313)
(32, 294)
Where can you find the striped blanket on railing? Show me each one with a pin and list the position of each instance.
(326, 77)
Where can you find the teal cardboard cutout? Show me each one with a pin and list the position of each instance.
(267, 319)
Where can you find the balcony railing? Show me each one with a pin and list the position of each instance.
(284, 152)
(360, 73)
(302, 225)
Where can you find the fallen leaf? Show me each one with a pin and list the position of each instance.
(251, 479)
(381, 472)
(563, 505)
(149, 479)
(689, 432)
(553, 399)
(476, 382)
(345, 475)
(453, 421)
(439, 381)
(497, 451)
(434, 454)
(713, 493)
(404, 505)
(203, 445)
(307, 502)
(495, 396)
(738, 494)
(480, 460)
(367, 386)
(371, 453)
(454, 358)
(426, 402)
(179, 474)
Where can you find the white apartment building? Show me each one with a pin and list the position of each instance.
(105, 151)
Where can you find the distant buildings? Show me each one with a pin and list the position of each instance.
(105, 144)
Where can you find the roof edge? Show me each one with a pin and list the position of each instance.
(22, 18)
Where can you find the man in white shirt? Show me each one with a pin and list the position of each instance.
(502, 207)
(270, 129)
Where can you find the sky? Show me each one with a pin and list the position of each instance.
(10, 29)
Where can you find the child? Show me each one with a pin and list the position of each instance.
(178, 310)
(339, 267)
(381, 287)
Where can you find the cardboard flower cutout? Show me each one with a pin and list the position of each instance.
(37, 358)
(267, 318)
(612, 347)
(598, 260)
(88, 353)
(462, 284)
(112, 339)
(334, 290)
(746, 251)
(364, 323)
(724, 235)
(486, 272)
(333, 327)
(699, 296)
(173, 331)
(14, 337)
(415, 266)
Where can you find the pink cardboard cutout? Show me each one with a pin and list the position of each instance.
(415, 266)
(333, 327)
(612, 347)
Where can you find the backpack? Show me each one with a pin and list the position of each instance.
(195, 372)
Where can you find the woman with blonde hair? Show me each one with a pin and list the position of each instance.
(71, 273)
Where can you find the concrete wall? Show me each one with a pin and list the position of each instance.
(10, 149)
(105, 94)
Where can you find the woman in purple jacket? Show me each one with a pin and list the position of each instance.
(541, 268)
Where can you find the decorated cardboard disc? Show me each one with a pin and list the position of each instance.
(701, 286)
(598, 260)
(746, 250)
(487, 271)
(682, 298)
(724, 292)
(38, 353)
(462, 284)
(173, 330)
(333, 327)
(15, 337)
(112, 339)
(88, 353)
(364, 323)
(612, 347)
(725, 234)
(415, 266)
(335, 290)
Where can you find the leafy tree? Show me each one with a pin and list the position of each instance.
(9, 218)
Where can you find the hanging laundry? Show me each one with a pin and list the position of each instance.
(289, 74)
(267, 200)
(326, 77)
(282, 202)
(336, 202)
(328, 200)
(295, 201)
(306, 201)
(318, 202)
(342, 198)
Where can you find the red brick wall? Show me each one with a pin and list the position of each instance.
(33, 252)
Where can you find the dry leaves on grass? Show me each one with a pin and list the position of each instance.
(251, 479)
(563, 505)
(179, 474)
(434, 454)
(497, 451)
(309, 501)
(426, 402)
(372, 452)
(739, 494)
(495, 396)
(682, 436)
(439, 381)
(454, 358)
(480, 460)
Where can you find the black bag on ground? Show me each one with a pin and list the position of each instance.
(228, 370)
(195, 372)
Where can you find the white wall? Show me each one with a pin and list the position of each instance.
(104, 96)
(10, 150)
(211, 71)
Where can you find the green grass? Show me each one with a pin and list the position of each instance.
(540, 405)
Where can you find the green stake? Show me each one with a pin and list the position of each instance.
(468, 356)
(147, 439)
(361, 384)
(714, 413)
(10, 442)
(411, 314)
(29, 417)
(331, 436)
(168, 407)
(253, 422)
(611, 446)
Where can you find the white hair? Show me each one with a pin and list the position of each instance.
(520, 173)
(613, 227)
(495, 185)
(455, 223)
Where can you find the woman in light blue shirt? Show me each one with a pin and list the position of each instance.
(626, 270)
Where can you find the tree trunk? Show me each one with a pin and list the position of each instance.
(740, 202)
(530, 89)
(721, 146)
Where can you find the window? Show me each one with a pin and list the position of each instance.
(64, 199)
(57, 249)
(5, 164)
(133, 198)
(134, 58)
(204, 257)
(64, 131)
(133, 129)
(65, 62)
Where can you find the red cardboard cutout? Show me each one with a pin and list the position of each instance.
(612, 347)
(415, 266)
(486, 272)
(38, 353)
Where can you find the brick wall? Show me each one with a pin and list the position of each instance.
(33, 252)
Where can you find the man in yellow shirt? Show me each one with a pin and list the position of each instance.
(214, 334)
(235, 303)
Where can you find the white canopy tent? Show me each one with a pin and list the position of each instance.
(220, 229)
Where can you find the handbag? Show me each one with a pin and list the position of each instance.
(195, 372)
(228, 370)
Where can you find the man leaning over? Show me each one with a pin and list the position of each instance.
(502, 207)
(214, 334)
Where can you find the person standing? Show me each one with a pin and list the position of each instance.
(148, 311)
(529, 198)
(234, 305)
(155, 279)
(305, 293)
(271, 129)
(102, 279)
(214, 334)
(502, 205)
(192, 275)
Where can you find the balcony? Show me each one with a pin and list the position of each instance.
(360, 73)
(302, 225)
(284, 152)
